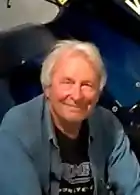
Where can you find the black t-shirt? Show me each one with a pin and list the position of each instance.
(76, 176)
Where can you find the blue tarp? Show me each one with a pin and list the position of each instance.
(121, 55)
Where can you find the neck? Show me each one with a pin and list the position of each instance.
(70, 129)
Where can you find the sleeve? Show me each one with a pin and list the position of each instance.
(17, 173)
(123, 167)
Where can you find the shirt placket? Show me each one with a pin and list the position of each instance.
(55, 171)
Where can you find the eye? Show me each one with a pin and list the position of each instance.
(67, 81)
(88, 85)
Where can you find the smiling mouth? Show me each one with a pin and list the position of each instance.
(73, 107)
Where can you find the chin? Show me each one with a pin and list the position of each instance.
(75, 118)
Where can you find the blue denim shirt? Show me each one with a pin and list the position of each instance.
(30, 160)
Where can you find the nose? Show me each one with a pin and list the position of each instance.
(77, 94)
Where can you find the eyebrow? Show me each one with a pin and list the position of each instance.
(87, 81)
(84, 81)
(67, 78)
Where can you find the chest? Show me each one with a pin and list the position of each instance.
(95, 155)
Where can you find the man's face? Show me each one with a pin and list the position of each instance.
(74, 89)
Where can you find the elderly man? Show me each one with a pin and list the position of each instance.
(61, 142)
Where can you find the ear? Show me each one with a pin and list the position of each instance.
(98, 96)
(47, 92)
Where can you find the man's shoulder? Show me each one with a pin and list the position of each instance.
(106, 122)
(24, 110)
(106, 130)
(106, 116)
(24, 120)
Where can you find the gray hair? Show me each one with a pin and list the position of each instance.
(75, 45)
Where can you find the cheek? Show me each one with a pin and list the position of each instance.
(92, 98)
(57, 94)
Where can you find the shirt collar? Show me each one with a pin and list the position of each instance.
(47, 121)
(48, 125)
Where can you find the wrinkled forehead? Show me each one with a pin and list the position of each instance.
(70, 53)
